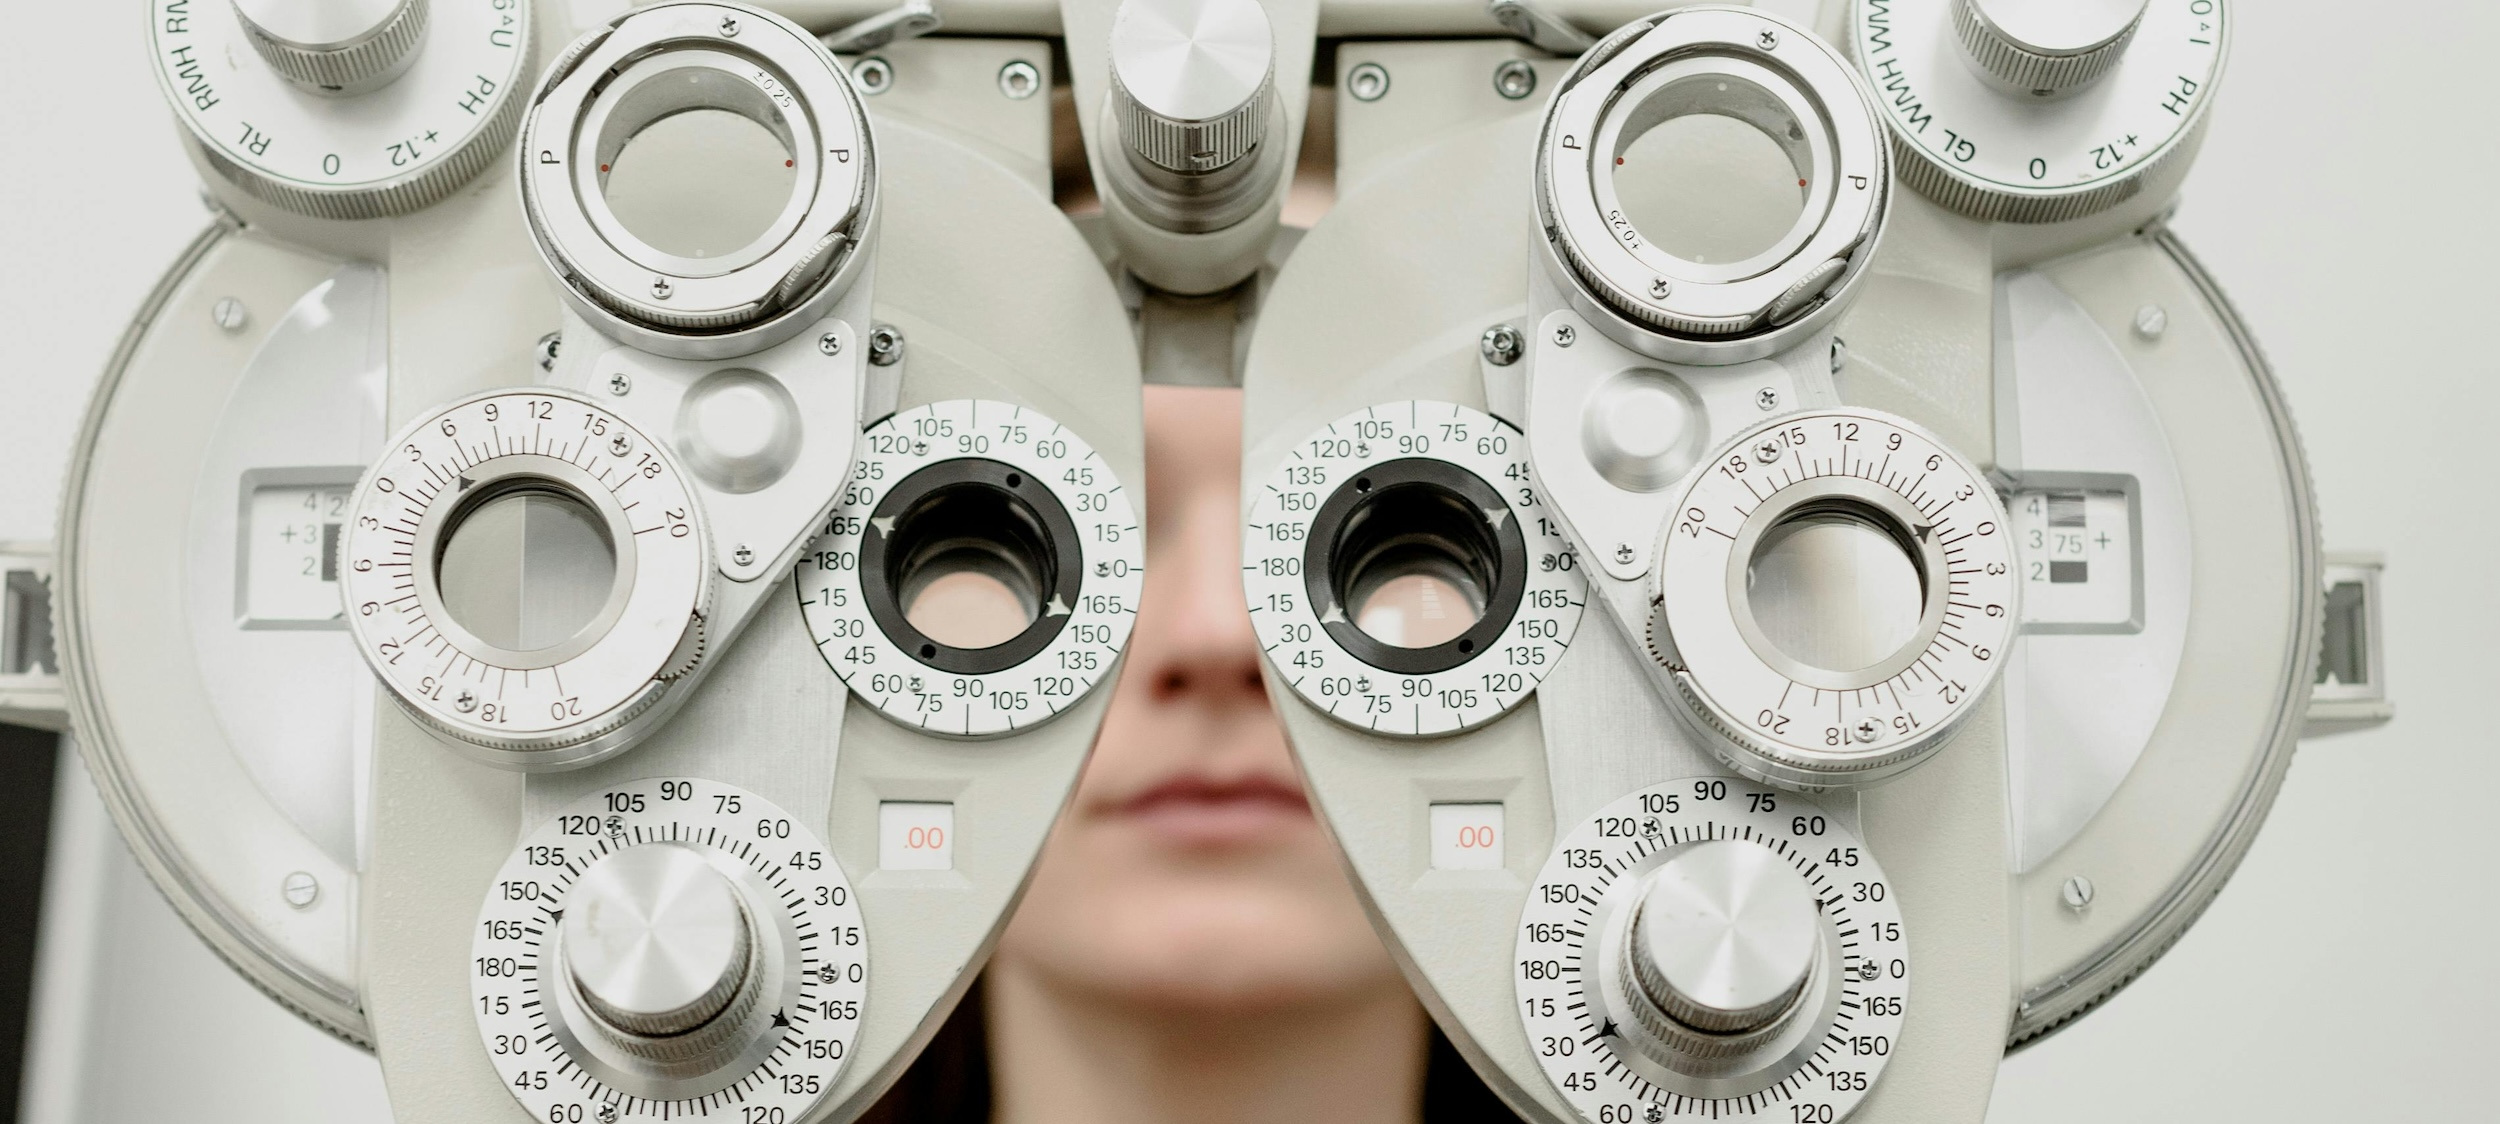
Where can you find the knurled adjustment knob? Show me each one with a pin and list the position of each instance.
(2046, 46)
(660, 951)
(335, 46)
(1192, 81)
(1721, 946)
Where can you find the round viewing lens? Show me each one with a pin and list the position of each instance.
(970, 565)
(696, 162)
(1707, 186)
(1416, 564)
(526, 568)
(1836, 587)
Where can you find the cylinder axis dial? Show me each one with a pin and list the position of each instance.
(466, 649)
(1832, 597)
(406, 125)
(677, 949)
(963, 515)
(1708, 948)
(1403, 573)
(1969, 140)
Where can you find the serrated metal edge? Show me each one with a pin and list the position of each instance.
(2032, 70)
(342, 67)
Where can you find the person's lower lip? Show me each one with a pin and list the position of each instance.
(1220, 820)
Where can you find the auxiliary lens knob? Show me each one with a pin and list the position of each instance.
(2046, 46)
(335, 46)
(660, 950)
(1723, 943)
(1192, 81)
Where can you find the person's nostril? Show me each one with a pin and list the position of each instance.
(1251, 682)
(1171, 685)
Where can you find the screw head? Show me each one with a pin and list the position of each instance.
(661, 289)
(1840, 354)
(1368, 82)
(829, 343)
(1514, 79)
(2076, 893)
(1565, 335)
(1652, 1114)
(1623, 553)
(885, 345)
(549, 346)
(229, 313)
(1767, 451)
(2151, 321)
(1501, 345)
(1866, 731)
(465, 702)
(744, 555)
(1019, 80)
(729, 26)
(1768, 398)
(620, 384)
(301, 889)
(607, 1113)
(1769, 40)
(873, 75)
(619, 446)
(1659, 288)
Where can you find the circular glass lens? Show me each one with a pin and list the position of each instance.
(1415, 565)
(1712, 170)
(970, 565)
(526, 568)
(1836, 587)
(700, 183)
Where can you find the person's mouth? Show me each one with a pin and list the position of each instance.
(1208, 812)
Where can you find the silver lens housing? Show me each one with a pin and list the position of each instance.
(1759, 69)
(660, 61)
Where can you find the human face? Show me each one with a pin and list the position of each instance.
(1189, 872)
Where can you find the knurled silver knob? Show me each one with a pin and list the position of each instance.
(335, 46)
(659, 949)
(2046, 46)
(1722, 944)
(1192, 80)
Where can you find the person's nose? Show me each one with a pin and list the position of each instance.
(1197, 643)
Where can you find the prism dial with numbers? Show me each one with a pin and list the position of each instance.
(2120, 100)
(347, 110)
(1707, 947)
(1832, 596)
(669, 948)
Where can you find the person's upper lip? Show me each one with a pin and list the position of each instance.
(1199, 789)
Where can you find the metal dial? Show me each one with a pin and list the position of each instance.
(1832, 597)
(527, 705)
(650, 64)
(669, 948)
(1640, 284)
(393, 149)
(1435, 495)
(1767, 929)
(1191, 80)
(993, 494)
(2003, 156)
(2045, 47)
(335, 46)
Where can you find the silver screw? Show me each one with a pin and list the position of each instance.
(1769, 40)
(465, 702)
(1368, 82)
(229, 314)
(1766, 452)
(873, 75)
(729, 26)
(744, 555)
(1514, 79)
(1659, 288)
(1653, 1114)
(2077, 893)
(885, 345)
(1501, 345)
(301, 889)
(1019, 80)
(1867, 730)
(661, 289)
(620, 384)
(1840, 354)
(1768, 398)
(1565, 336)
(829, 343)
(548, 347)
(619, 446)
(607, 1113)
(2151, 321)
(1623, 553)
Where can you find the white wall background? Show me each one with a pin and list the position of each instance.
(2344, 198)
